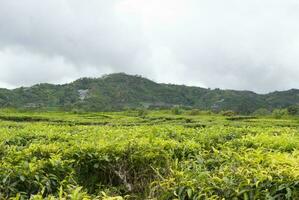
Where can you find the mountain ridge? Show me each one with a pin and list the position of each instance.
(120, 91)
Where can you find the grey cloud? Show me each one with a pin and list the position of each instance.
(249, 44)
(83, 34)
(239, 44)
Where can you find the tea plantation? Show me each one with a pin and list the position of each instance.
(152, 155)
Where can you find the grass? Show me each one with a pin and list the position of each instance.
(52, 155)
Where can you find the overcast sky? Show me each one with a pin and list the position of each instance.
(248, 44)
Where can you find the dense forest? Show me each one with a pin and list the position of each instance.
(121, 91)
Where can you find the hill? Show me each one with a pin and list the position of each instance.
(119, 91)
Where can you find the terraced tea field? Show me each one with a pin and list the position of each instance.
(157, 155)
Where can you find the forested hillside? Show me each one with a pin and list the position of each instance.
(120, 91)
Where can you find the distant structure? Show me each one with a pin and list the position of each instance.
(83, 94)
(33, 105)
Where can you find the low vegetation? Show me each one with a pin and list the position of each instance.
(147, 155)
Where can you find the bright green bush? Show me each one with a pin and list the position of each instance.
(78, 156)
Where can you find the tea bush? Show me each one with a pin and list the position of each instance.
(158, 156)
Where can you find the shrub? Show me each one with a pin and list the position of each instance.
(261, 112)
(279, 113)
(228, 113)
(77, 111)
(142, 112)
(194, 112)
(176, 111)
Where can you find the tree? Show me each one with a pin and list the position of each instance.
(279, 113)
(293, 110)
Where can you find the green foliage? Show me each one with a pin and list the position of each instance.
(228, 113)
(293, 110)
(116, 92)
(279, 113)
(122, 156)
(142, 112)
(261, 112)
(176, 111)
(195, 112)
